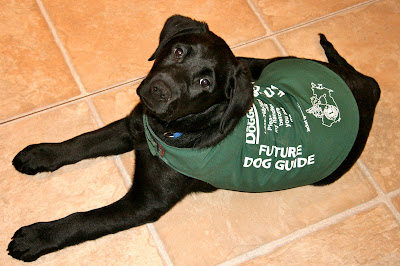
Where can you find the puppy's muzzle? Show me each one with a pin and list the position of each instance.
(159, 91)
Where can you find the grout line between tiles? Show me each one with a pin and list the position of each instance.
(394, 194)
(273, 245)
(280, 46)
(269, 31)
(125, 175)
(259, 16)
(327, 16)
(382, 196)
(61, 46)
(274, 34)
(95, 113)
(72, 100)
(160, 244)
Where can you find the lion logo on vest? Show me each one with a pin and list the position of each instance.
(324, 105)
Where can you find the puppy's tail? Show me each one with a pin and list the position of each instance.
(333, 56)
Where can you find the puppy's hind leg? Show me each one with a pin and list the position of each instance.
(333, 56)
(31, 242)
(150, 196)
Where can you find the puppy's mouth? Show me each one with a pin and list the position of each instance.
(161, 111)
(166, 116)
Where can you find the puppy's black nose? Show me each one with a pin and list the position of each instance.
(160, 90)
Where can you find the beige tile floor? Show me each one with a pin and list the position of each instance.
(67, 67)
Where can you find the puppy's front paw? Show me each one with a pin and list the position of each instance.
(31, 242)
(37, 158)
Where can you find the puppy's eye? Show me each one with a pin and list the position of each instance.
(205, 83)
(178, 52)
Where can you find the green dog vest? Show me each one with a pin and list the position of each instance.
(301, 127)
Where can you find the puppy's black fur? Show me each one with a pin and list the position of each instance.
(196, 86)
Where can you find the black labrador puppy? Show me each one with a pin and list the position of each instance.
(194, 97)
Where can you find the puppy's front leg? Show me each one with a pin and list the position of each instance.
(46, 157)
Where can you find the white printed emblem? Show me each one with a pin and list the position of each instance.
(324, 105)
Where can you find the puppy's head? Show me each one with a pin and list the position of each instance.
(194, 70)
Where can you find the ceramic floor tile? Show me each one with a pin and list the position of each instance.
(117, 104)
(206, 229)
(110, 42)
(283, 14)
(372, 48)
(33, 73)
(396, 202)
(369, 238)
(80, 187)
(260, 49)
(383, 148)
(384, 60)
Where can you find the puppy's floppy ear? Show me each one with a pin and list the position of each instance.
(240, 93)
(178, 25)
